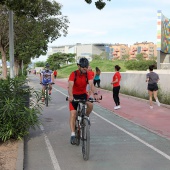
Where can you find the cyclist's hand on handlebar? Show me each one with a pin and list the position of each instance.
(52, 83)
(70, 98)
(97, 98)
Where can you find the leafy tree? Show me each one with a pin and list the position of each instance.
(125, 57)
(99, 4)
(57, 59)
(32, 35)
(25, 7)
(139, 57)
(40, 64)
(96, 57)
(104, 55)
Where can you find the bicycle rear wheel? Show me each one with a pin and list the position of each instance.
(85, 139)
(77, 133)
(46, 97)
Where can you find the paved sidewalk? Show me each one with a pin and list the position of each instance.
(136, 110)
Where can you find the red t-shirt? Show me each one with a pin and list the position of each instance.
(80, 84)
(92, 74)
(116, 76)
(55, 73)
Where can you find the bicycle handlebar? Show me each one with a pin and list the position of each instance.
(85, 100)
(46, 83)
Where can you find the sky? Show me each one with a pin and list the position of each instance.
(123, 21)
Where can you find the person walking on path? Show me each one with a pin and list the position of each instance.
(116, 87)
(97, 77)
(152, 78)
(55, 74)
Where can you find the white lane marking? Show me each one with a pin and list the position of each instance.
(60, 91)
(62, 107)
(130, 134)
(51, 151)
(135, 137)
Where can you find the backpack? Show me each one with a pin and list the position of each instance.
(75, 76)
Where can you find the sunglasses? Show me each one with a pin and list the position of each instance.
(83, 67)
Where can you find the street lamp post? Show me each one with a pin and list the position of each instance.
(11, 44)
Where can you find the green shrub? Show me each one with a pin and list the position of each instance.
(16, 117)
(140, 65)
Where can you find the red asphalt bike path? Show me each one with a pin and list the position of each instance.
(135, 110)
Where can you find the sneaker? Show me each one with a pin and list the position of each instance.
(49, 92)
(158, 103)
(72, 140)
(116, 107)
(119, 107)
(151, 107)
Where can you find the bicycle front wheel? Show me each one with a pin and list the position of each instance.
(77, 133)
(46, 97)
(85, 139)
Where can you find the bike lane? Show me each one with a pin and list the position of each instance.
(135, 110)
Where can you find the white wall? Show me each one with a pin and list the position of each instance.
(136, 81)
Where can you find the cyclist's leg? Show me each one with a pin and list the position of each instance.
(50, 89)
(72, 121)
(89, 108)
(43, 91)
(72, 125)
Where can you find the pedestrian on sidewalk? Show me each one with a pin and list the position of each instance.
(116, 87)
(55, 74)
(97, 77)
(152, 78)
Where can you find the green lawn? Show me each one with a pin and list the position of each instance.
(104, 65)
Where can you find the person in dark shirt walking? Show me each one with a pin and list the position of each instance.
(152, 78)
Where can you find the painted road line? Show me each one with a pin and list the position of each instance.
(130, 134)
(135, 137)
(51, 151)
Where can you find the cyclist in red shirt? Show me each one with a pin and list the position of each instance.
(116, 87)
(77, 89)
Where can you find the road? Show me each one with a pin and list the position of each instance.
(116, 143)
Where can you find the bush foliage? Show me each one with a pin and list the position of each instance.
(140, 65)
(17, 114)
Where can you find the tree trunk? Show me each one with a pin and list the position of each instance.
(4, 65)
(16, 67)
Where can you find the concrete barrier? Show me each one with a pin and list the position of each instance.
(136, 81)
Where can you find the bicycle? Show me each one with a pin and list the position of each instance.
(82, 126)
(46, 92)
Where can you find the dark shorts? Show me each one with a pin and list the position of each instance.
(73, 105)
(153, 87)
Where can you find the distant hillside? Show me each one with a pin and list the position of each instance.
(104, 65)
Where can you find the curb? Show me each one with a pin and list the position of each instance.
(20, 157)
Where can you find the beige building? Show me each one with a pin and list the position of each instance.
(148, 49)
(119, 50)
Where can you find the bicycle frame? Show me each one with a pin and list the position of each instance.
(82, 126)
(46, 94)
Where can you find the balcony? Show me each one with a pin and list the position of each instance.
(114, 53)
(144, 49)
(132, 53)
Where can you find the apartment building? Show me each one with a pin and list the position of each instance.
(119, 50)
(113, 51)
(148, 49)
